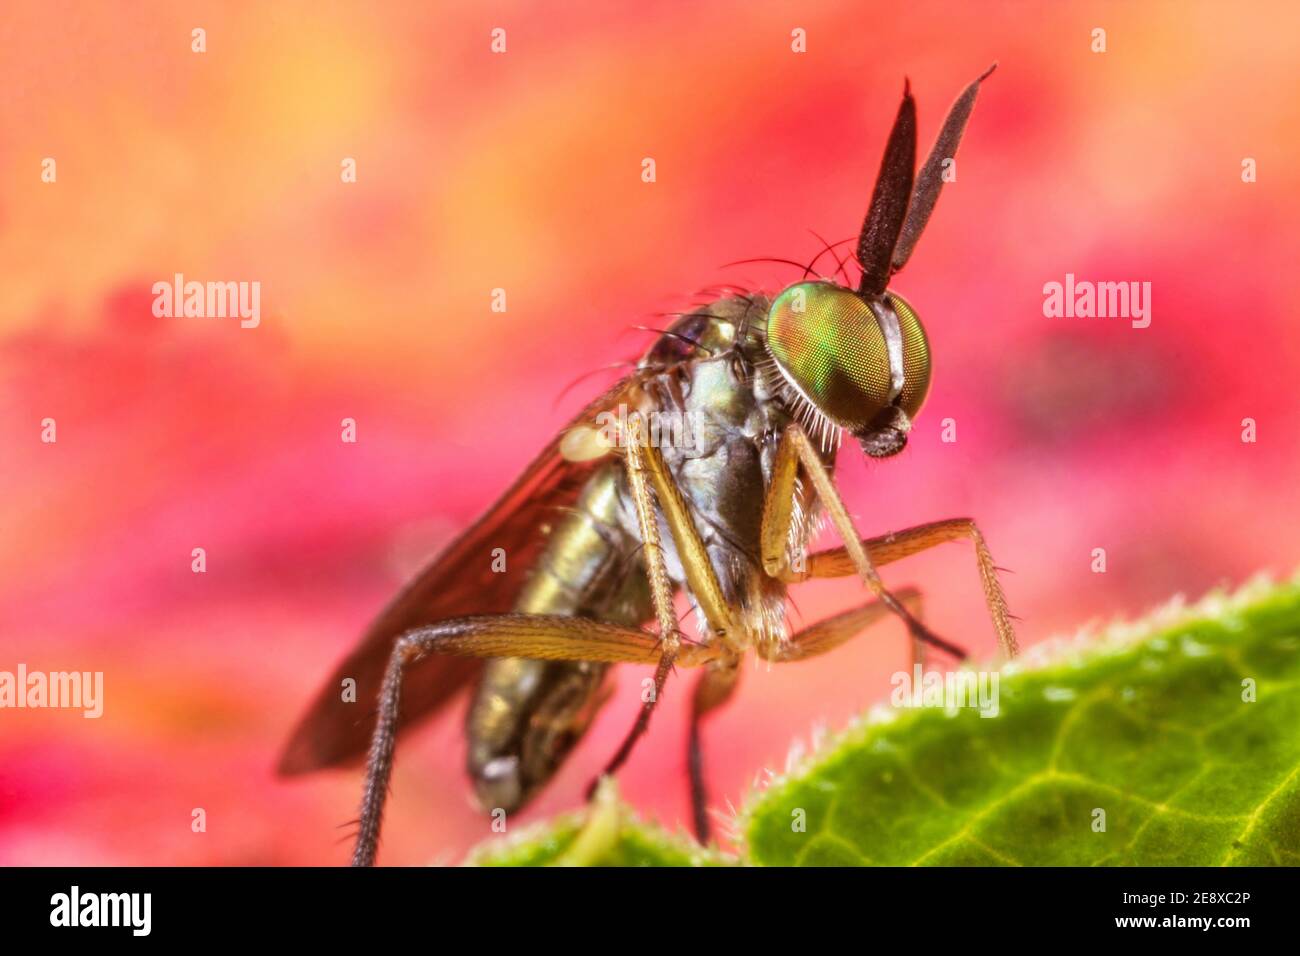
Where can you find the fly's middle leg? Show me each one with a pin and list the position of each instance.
(647, 470)
(826, 635)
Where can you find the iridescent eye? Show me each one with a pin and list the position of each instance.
(832, 349)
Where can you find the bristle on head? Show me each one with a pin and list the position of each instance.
(820, 429)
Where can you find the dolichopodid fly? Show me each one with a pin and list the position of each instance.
(611, 521)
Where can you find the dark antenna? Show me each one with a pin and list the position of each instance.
(884, 222)
(930, 181)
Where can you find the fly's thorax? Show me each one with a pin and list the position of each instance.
(707, 377)
(713, 330)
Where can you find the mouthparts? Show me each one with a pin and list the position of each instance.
(886, 434)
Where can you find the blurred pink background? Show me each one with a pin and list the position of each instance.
(522, 171)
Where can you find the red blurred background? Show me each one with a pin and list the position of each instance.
(522, 171)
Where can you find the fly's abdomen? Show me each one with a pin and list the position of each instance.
(527, 715)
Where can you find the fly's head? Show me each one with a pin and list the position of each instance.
(859, 359)
(848, 361)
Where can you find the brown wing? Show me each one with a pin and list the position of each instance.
(458, 582)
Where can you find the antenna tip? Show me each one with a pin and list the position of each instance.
(987, 73)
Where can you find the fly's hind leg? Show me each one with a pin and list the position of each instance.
(535, 636)
(912, 600)
(712, 690)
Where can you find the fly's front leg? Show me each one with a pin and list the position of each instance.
(539, 637)
(837, 562)
(778, 509)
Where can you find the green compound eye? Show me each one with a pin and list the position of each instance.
(829, 345)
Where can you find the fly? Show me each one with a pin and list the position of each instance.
(611, 521)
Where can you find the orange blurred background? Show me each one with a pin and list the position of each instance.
(521, 171)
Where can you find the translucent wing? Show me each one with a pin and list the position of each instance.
(458, 582)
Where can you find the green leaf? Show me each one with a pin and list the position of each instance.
(606, 834)
(1151, 725)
